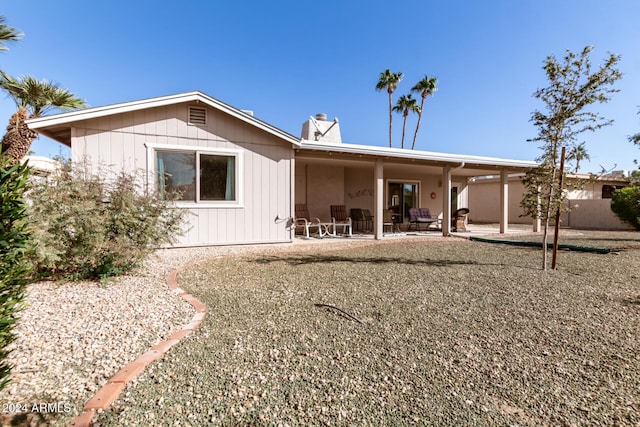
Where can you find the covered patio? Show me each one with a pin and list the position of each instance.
(377, 178)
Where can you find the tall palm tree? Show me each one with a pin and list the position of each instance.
(579, 153)
(389, 81)
(7, 34)
(405, 104)
(33, 98)
(426, 87)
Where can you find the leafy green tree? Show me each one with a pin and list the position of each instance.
(14, 246)
(14, 237)
(625, 203)
(33, 98)
(425, 87)
(404, 105)
(8, 34)
(635, 139)
(573, 88)
(389, 81)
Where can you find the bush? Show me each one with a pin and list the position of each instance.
(93, 226)
(625, 203)
(14, 247)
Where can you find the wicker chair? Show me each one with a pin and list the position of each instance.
(419, 216)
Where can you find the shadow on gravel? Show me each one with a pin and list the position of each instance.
(322, 259)
(306, 260)
(632, 301)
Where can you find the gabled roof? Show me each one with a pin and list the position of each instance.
(58, 126)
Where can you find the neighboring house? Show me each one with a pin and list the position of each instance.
(590, 207)
(42, 167)
(241, 177)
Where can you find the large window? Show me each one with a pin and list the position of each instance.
(197, 176)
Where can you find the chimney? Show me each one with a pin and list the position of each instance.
(321, 130)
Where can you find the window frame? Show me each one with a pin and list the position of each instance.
(153, 149)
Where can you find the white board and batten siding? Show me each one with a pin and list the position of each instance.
(128, 140)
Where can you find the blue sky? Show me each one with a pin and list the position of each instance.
(286, 60)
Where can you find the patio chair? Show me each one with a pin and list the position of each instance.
(459, 219)
(339, 218)
(387, 220)
(419, 216)
(302, 219)
(358, 218)
(369, 219)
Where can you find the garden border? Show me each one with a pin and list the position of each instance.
(116, 384)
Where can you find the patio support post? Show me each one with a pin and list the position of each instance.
(292, 198)
(446, 201)
(504, 202)
(378, 199)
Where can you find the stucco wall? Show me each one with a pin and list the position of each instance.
(120, 143)
(319, 185)
(592, 214)
(359, 188)
(589, 212)
(484, 202)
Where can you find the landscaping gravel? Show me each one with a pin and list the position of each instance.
(455, 333)
(72, 337)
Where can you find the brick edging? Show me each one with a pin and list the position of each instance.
(114, 386)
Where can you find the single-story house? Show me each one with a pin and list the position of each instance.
(589, 207)
(241, 177)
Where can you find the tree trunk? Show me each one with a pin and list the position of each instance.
(545, 239)
(390, 118)
(415, 135)
(404, 126)
(17, 141)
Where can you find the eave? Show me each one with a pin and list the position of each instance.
(58, 126)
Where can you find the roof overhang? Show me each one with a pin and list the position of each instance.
(58, 126)
(471, 165)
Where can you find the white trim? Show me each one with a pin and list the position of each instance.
(178, 147)
(152, 148)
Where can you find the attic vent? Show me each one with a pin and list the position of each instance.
(197, 116)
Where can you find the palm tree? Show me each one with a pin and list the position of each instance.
(389, 81)
(405, 104)
(579, 153)
(426, 87)
(34, 98)
(7, 34)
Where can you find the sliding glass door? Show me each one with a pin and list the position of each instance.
(401, 197)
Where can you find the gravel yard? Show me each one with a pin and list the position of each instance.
(452, 333)
(72, 337)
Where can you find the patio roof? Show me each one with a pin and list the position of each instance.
(471, 165)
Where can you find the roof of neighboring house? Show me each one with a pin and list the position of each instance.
(58, 126)
(42, 165)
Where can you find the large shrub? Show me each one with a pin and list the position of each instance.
(14, 246)
(625, 203)
(90, 225)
